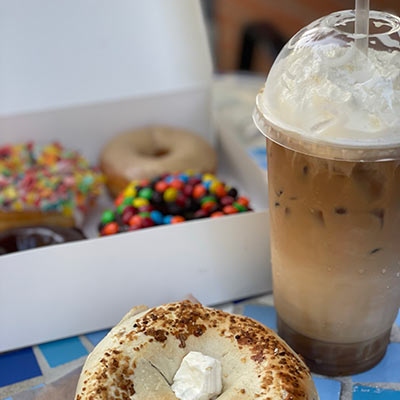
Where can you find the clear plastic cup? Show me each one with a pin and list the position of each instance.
(331, 115)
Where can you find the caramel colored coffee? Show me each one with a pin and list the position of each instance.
(335, 242)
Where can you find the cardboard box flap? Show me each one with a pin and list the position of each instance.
(59, 54)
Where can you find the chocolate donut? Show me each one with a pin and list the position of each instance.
(31, 237)
(151, 151)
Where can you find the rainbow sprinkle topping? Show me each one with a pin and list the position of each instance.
(46, 178)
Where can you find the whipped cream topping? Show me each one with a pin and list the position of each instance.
(198, 378)
(336, 94)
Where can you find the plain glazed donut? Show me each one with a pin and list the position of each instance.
(140, 356)
(151, 151)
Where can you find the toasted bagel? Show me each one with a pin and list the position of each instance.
(140, 356)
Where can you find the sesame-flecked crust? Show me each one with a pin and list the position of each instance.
(139, 357)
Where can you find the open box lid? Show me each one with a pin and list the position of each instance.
(59, 54)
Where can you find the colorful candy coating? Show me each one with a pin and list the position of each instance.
(144, 182)
(128, 213)
(157, 217)
(108, 216)
(146, 193)
(177, 184)
(181, 200)
(161, 186)
(139, 202)
(119, 200)
(217, 214)
(227, 200)
(232, 192)
(128, 201)
(207, 184)
(208, 177)
(188, 190)
(170, 194)
(46, 178)
(244, 201)
(207, 199)
(230, 209)
(130, 191)
(146, 208)
(199, 191)
(174, 198)
(110, 229)
(184, 177)
(147, 222)
(209, 206)
(121, 208)
(194, 181)
(220, 190)
(213, 186)
(135, 220)
(201, 213)
(239, 206)
(177, 219)
(167, 219)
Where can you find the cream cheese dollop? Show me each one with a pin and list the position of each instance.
(198, 378)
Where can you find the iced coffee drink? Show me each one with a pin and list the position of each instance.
(331, 115)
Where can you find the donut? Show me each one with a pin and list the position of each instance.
(151, 151)
(31, 237)
(45, 185)
(171, 199)
(142, 356)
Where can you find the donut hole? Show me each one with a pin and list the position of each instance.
(154, 153)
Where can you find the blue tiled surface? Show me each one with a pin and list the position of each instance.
(398, 319)
(17, 366)
(264, 314)
(96, 337)
(328, 389)
(259, 155)
(21, 365)
(370, 393)
(62, 351)
(388, 370)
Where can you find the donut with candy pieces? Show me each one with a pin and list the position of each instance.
(171, 199)
(46, 184)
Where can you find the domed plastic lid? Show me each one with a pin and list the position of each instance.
(325, 96)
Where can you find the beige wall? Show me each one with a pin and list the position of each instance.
(287, 16)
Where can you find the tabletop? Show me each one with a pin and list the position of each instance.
(32, 367)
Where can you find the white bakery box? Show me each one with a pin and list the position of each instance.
(80, 72)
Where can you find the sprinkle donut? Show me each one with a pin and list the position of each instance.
(140, 356)
(45, 185)
(152, 151)
(171, 199)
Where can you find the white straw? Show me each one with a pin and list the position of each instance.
(362, 25)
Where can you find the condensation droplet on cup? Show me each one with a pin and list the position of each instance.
(388, 287)
(398, 275)
(383, 270)
(361, 271)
